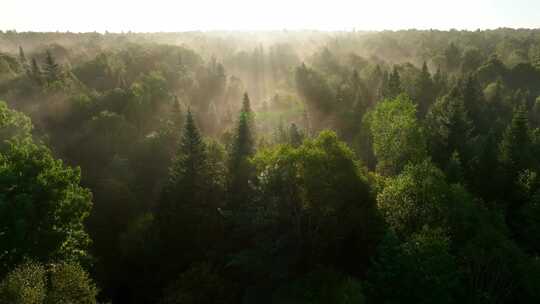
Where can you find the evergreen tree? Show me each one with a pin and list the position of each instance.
(449, 129)
(187, 216)
(295, 137)
(515, 147)
(515, 155)
(473, 100)
(52, 69)
(242, 148)
(424, 91)
(187, 176)
(35, 73)
(391, 85)
(440, 82)
(22, 59)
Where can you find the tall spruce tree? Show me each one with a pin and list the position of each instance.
(424, 91)
(242, 148)
(22, 59)
(391, 85)
(187, 216)
(515, 147)
(36, 73)
(51, 68)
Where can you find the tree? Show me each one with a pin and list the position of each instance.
(22, 59)
(295, 137)
(319, 184)
(415, 198)
(36, 73)
(62, 283)
(397, 135)
(187, 216)
(515, 147)
(391, 86)
(449, 129)
(70, 283)
(42, 206)
(51, 68)
(200, 284)
(26, 284)
(424, 91)
(240, 171)
(419, 270)
(453, 57)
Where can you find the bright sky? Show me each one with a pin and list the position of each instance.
(185, 15)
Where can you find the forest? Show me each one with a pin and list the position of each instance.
(277, 167)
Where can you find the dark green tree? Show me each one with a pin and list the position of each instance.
(295, 136)
(240, 170)
(42, 206)
(36, 73)
(187, 216)
(391, 86)
(51, 68)
(424, 91)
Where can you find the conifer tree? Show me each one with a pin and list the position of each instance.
(22, 59)
(185, 180)
(515, 147)
(472, 99)
(424, 91)
(295, 137)
(242, 148)
(187, 216)
(36, 73)
(52, 69)
(391, 85)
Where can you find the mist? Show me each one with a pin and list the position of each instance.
(269, 152)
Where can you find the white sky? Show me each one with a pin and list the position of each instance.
(185, 15)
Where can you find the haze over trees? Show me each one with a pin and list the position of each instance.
(278, 167)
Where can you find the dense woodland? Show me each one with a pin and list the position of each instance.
(278, 167)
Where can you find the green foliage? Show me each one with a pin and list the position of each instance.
(397, 135)
(515, 147)
(420, 270)
(26, 284)
(415, 198)
(319, 184)
(321, 286)
(42, 206)
(240, 171)
(32, 283)
(449, 129)
(69, 283)
(13, 125)
(187, 217)
(51, 69)
(301, 221)
(200, 284)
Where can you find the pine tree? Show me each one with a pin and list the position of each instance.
(242, 148)
(515, 147)
(280, 136)
(450, 128)
(424, 91)
(472, 99)
(187, 217)
(295, 137)
(440, 82)
(35, 73)
(52, 69)
(22, 59)
(190, 160)
(391, 85)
